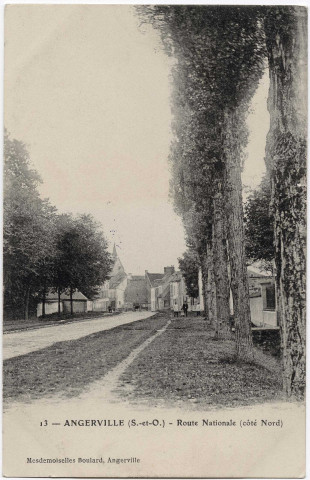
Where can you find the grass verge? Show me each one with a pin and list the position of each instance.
(186, 364)
(67, 367)
(49, 320)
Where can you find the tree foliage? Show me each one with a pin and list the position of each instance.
(259, 224)
(82, 260)
(29, 229)
(220, 54)
(42, 249)
(189, 266)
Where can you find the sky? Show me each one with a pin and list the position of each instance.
(258, 123)
(88, 90)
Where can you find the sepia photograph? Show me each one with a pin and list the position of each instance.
(154, 240)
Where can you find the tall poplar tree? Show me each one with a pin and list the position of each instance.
(219, 53)
(286, 156)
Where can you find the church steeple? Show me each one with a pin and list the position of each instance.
(117, 264)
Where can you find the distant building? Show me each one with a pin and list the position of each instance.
(169, 292)
(163, 296)
(161, 290)
(112, 293)
(151, 281)
(178, 295)
(51, 303)
(136, 292)
(79, 302)
(121, 291)
(155, 290)
(262, 297)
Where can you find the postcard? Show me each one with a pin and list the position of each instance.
(154, 314)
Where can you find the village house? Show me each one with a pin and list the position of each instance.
(169, 292)
(136, 292)
(163, 297)
(152, 280)
(262, 297)
(111, 294)
(51, 303)
(161, 290)
(79, 302)
(121, 291)
(154, 295)
(178, 294)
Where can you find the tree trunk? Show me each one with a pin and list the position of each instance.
(71, 301)
(220, 261)
(204, 275)
(43, 303)
(235, 237)
(27, 297)
(210, 292)
(59, 293)
(286, 38)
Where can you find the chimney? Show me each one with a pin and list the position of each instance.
(169, 270)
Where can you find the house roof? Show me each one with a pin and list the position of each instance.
(166, 292)
(154, 277)
(117, 279)
(77, 295)
(259, 268)
(176, 277)
(167, 278)
(256, 272)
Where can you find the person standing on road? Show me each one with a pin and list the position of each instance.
(176, 310)
(185, 308)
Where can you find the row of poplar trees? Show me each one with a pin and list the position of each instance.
(221, 53)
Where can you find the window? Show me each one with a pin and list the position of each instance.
(270, 297)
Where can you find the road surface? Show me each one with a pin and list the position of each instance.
(20, 343)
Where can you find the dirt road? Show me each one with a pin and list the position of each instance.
(20, 343)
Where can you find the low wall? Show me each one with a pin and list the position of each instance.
(100, 305)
